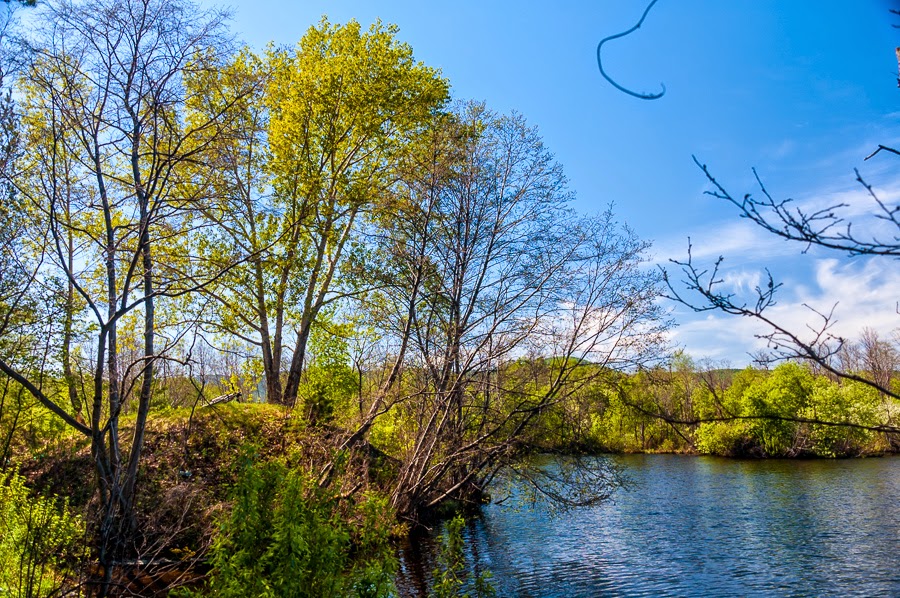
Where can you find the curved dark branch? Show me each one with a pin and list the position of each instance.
(642, 96)
(883, 148)
(38, 394)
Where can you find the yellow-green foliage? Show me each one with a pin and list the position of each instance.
(39, 540)
(784, 393)
(786, 412)
(27, 428)
(778, 413)
(329, 383)
(849, 402)
(722, 438)
(344, 92)
(387, 433)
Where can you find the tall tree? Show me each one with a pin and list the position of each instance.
(505, 304)
(336, 114)
(105, 114)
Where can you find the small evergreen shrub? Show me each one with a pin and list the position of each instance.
(285, 536)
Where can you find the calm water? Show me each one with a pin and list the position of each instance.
(700, 526)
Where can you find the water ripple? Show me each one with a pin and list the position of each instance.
(700, 526)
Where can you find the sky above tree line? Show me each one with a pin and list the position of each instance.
(802, 92)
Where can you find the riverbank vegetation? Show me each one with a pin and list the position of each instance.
(259, 312)
(789, 411)
(230, 495)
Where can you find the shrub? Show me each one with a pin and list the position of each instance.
(286, 537)
(848, 402)
(40, 540)
(451, 576)
(727, 439)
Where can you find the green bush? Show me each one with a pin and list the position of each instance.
(40, 540)
(374, 554)
(329, 383)
(784, 393)
(768, 401)
(727, 439)
(286, 537)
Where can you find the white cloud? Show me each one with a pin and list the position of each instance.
(741, 281)
(736, 240)
(865, 293)
(862, 292)
(856, 201)
(720, 338)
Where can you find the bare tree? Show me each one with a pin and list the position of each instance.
(880, 358)
(506, 304)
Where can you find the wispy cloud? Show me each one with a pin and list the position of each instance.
(742, 281)
(738, 240)
(783, 149)
(742, 242)
(856, 201)
(862, 293)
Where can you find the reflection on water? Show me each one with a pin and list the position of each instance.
(699, 526)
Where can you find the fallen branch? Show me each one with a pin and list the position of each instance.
(226, 398)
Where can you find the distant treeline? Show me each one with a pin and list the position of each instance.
(788, 411)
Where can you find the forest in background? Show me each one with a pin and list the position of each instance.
(391, 283)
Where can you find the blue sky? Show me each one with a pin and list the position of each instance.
(801, 91)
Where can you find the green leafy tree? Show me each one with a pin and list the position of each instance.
(720, 430)
(773, 403)
(336, 115)
(849, 402)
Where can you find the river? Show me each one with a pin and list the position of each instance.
(698, 526)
